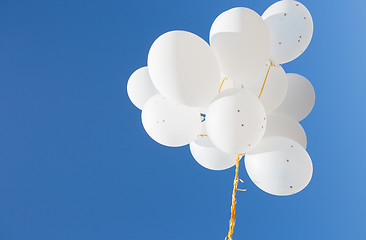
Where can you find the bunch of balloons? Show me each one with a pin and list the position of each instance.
(232, 97)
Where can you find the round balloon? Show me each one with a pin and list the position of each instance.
(285, 126)
(184, 68)
(140, 88)
(274, 89)
(241, 41)
(291, 28)
(208, 156)
(279, 166)
(170, 124)
(299, 99)
(235, 121)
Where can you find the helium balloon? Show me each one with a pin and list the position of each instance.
(170, 124)
(285, 126)
(241, 41)
(300, 97)
(184, 68)
(291, 28)
(274, 89)
(140, 88)
(208, 156)
(279, 166)
(235, 121)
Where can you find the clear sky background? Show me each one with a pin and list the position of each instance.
(76, 163)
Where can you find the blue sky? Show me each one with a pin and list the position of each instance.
(75, 162)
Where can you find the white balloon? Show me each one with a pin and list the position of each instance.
(279, 166)
(241, 41)
(208, 156)
(184, 68)
(291, 28)
(235, 121)
(140, 88)
(285, 126)
(275, 87)
(300, 97)
(170, 124)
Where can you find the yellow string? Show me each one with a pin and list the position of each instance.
(265, 79)
(236, 179)
(222, 84)
(233, 202)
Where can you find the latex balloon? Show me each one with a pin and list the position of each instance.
(170, 124)
(235, 121)
(208, 156)
(291, 28)
(285, 126)
(241, 42)
(140, 88)
(275, 87)
(184, 68)
(300, 97)
(279, 166)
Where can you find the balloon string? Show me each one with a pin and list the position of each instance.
(222, 84)
(233, 202)
(265, 79)
(236, 179)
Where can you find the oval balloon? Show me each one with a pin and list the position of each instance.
(291, 28)
(299, 99)
(208, 156)
(140, 87)
(285, 126)
(279, 166)
(235, 121)
(274, 88)
(241, 41)
(170, 124)
(184, 68)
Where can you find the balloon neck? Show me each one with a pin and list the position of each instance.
(273, 63)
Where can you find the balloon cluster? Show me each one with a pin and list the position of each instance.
(232, 96)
